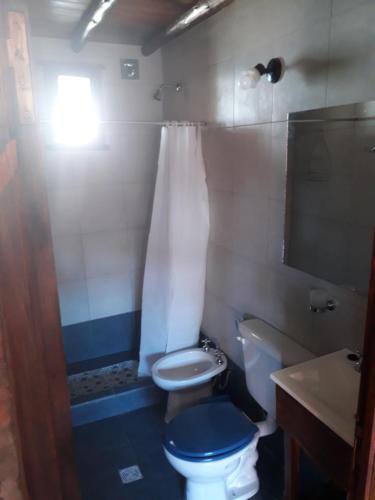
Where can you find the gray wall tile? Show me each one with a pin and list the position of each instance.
(340, 6)
(250, 226)
(328, 49)
(69, 258)
(221, 205)
(138, 203)
(100, 200)
(136, 248)
(252, 169)
(63, 209)
(304, 84)
(74, 302)
(218, 149)
(102, 207)
(111, 295)
(352, 56)
(106, 253)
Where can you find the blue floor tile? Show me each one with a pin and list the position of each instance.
(107, 460)
(271, 477)
(101, 435)
(131, 439)
(136, 439)
(171, 488)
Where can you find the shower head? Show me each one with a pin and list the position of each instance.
(158, 94)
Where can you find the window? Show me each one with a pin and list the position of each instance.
(73, 107)
(75, 118)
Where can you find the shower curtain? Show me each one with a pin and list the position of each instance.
(175, 271)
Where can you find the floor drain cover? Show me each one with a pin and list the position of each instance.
(130, 474)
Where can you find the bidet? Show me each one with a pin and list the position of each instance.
(187, 375)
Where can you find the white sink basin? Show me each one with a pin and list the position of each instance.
(328, 387)
(186, 368)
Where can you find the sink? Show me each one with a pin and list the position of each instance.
(189, 367)
(327, 386)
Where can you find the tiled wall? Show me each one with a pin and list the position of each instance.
(100, 200)
(97, 341)
(328, 46)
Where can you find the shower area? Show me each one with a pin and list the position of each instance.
(100, 199)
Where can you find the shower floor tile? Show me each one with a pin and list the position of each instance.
(103, 380)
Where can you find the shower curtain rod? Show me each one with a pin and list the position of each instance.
(138, 122)
(222, 125)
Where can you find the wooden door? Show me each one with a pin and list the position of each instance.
(363, 477)
(30, 323)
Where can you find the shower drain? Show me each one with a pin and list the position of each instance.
(130, 474)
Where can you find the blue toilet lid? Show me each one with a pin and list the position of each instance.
(208, 431)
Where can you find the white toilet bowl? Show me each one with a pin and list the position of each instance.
(213, 445)
(233, 477)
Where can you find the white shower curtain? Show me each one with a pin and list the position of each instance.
(174, 281)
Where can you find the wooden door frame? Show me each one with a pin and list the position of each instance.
(29, 310)
(363, 470)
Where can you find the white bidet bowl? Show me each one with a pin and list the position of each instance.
(187, 368)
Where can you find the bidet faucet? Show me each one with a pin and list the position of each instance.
(206, 345)
(218, 353)
(206, 342)
(219, 357)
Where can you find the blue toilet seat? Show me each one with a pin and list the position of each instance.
(209, 431)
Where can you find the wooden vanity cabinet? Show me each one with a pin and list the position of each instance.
(303, 431)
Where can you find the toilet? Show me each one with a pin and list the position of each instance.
(213, 444)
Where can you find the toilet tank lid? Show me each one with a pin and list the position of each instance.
(275, 343)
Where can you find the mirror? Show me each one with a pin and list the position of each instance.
(330, 213)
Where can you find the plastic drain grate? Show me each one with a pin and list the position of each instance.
(130, 474)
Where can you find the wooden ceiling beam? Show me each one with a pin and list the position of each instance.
(90, 19)
(199, 12)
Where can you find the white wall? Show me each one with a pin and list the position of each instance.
(329, 47)
(100, 200)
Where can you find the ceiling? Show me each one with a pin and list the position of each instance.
(129, 21)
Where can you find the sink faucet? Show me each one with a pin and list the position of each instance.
(357, 359)
(359, 362)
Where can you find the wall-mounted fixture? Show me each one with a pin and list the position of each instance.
(320, 301)
(158, 95)
(274, 72)
(130, 69)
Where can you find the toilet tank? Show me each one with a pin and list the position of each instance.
(267, 350)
